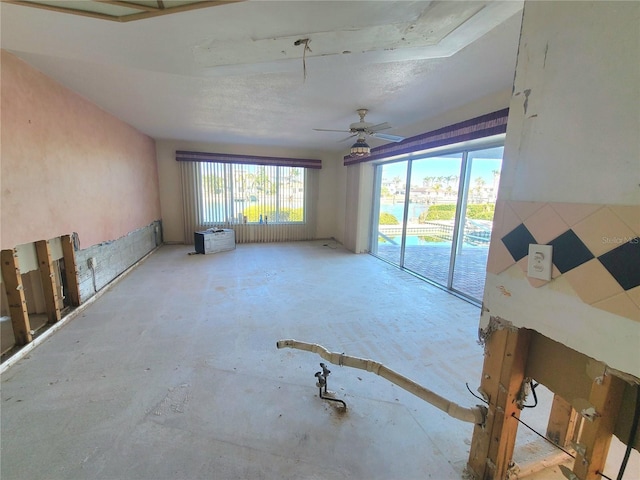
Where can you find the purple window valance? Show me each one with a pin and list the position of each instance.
(484, 126)
(185, 156)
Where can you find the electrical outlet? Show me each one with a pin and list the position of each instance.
(92, 262)
(539, 263)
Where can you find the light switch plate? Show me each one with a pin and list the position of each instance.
(539, 263)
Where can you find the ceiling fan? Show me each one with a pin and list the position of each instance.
(361, 129)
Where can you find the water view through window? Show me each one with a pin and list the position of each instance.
(244, 193)
(433, 216)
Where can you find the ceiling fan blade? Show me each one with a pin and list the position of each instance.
(329, 130)
(378, 127)
(386, 136)
(350, 136)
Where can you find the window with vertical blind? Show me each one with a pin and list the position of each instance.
(242, 193)
(263, 199)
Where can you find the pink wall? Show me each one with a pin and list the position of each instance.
(68, 166)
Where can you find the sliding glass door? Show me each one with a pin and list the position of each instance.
(388, 220)
(433, 216)
(434, 187)
(478, 203)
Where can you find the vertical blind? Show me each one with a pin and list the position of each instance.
(261, 203)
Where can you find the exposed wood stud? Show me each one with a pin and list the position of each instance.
(15, 297)
(562, 422)
(49, 280)
(70, 270)
(482, 435)
(511, 376)
(503, 373)
(606, 397)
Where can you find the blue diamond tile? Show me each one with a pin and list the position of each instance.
(569, 252)
(517, 242)
(623, 263)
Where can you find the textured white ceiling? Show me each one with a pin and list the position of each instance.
(233, 74)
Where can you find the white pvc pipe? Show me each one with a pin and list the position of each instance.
(474, 415)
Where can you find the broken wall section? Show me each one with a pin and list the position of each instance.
(43, 281)
(100, 264)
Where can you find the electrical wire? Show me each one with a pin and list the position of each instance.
(634, 428)
(306, 48)
(603, 475)
(535, 397)
(554, 444)
(478, 397)
(93, 276)
(543, 437)
(304, 58)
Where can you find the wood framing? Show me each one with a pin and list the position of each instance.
(49, 280)
(15, 297)
(478, 455)
(492, 445)
(597, 430)
(570, 374)
(562, 422)
(70, 270)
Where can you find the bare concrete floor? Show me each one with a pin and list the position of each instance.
(174, 374)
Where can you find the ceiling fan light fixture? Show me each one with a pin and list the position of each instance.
(360, 148)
